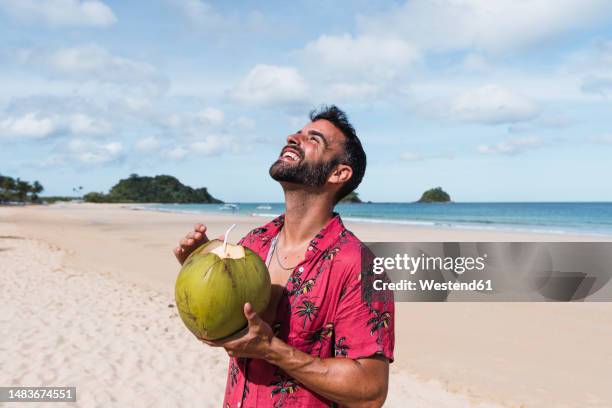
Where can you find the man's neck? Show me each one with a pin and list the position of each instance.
(305, 215)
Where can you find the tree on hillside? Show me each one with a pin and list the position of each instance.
(158, 189)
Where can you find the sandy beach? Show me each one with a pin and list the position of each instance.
(88, 302)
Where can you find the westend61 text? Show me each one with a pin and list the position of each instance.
(429, 285)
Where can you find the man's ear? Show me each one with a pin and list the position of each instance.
(341, 174)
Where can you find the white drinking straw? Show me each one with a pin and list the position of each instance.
(225, 238)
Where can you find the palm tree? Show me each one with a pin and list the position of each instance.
(23, 188)
(36, 189)
(7, 188)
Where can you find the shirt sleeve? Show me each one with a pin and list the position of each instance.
(364, 327)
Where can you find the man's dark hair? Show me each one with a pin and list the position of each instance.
(353, 156)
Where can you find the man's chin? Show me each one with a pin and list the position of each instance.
(280, 173)
(280, 166)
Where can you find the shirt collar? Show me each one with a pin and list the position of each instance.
(324, 239)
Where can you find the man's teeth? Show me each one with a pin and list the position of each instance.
(291, 155)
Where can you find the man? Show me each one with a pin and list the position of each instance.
(325, 345)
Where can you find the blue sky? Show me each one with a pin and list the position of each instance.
(493, 100)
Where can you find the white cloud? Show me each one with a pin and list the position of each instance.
(93, 153)
(242, 123)
(211, 145)
(351, 91)
(148, 144)
(512, 146)
(484, 24)
(213, 116)
(30, 125)
(366, 56)
(177, 153)
(83, 124)
(94, 63)
(493, 104)
(269, 85)
(36, 125)
(204, 17)
(201, 14)
(592, 68)
(61, 12)
(191, 125)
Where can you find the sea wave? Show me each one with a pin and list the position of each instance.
(528, 225)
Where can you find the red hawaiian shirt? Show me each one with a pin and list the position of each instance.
(321, 312)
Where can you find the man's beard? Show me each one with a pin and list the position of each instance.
(304, 173)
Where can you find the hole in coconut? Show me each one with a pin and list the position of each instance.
(231, 251)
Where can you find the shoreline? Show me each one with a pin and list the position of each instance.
(412, 223)
(447, 354)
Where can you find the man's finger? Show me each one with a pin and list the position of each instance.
(251, 316)
(210, 343)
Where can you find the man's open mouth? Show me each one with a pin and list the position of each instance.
(289, 154)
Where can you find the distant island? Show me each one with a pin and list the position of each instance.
(158, 189)
(351, 198)
(435, 195)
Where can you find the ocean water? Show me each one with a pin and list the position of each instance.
(584, 218)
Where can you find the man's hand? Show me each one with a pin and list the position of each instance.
(352, 383)
(252, 342)
(191, 241)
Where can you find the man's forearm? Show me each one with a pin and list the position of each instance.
(349, 382)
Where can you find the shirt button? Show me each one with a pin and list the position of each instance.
(301, 269)
(310, 248)
(239, 404)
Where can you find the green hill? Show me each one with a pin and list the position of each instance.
(158, 189)
(435, 195)
(352, 197)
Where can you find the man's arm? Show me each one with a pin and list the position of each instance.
(352, 383)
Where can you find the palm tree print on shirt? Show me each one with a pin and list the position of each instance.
(307, 310)
(341, 349)
(283, 387)
(378, 322)
(319, 337)
(233, 373)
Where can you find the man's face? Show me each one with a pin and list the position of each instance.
(310, 155)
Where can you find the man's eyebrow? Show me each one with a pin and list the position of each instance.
(321, 135)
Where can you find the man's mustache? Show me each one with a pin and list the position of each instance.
(296, 148)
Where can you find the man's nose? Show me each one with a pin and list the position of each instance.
(293, 139)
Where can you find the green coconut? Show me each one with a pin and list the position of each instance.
(213, 286)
